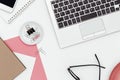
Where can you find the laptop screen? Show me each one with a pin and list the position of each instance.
(9, 3)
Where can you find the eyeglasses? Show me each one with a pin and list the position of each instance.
(86, 65)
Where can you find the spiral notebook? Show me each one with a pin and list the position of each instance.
(20, 6)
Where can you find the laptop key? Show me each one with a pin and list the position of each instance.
(71, 1)
(108, 10)
(112, 9)
(88, 16)
(78, 19)
(65, 23)
(57, 15)
(66, 2)
(67, 12)
(66, 17)
(60, 25)
(82, 13)
(117, 2)
(69, 22)
(74, 21)
(60, 19)
(59, 9)
(56, 6)
(80, 3)
(92, 9)
(103, 12)
(99, 13)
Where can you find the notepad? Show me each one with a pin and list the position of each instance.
(10, 65)
(20, 6)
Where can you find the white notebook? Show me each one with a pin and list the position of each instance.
(20, 6)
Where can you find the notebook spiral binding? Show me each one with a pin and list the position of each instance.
(20, 11)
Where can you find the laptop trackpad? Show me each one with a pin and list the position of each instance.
(92, 28)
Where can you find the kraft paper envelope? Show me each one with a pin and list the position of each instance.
(10, 65)
(18, 46)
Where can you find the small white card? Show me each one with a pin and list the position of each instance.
(29, 63)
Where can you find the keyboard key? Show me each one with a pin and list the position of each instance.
(71, 1)
(85, 1)
(56, 6)
(78, 19)
(108, 10)
(53, 2)
(67, 12)
(103, 12)
(76, 14)
(65, 23)
(93, 4)
(117, 9)
(65, 8)
(102, 6)
(92, 9)
(61, 4)
(88, 16)
(62, 13)
(112, 9)
(87, 11)
(82, 7)
(117, 2)
(60, 25)
(66, 17)
(72, 10)
(71, 16)
(60, 19)
(90, 1)
(69, 22)
(78, 9)
(55, 10)
(70, 6)
(66, 2)
(107, 5)
(103, 1)
(98, 3)
(80, 3)
(82, 13)
(99, 13)
(112, 4)
(108, 0)
(97, 8)
(59, 9)
(88, 6)
(76, 0)
(75, 5)
(74, 21)
(57, 15)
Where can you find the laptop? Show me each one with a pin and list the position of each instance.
(77, 21)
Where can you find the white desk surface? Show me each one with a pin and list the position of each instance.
(57, 60)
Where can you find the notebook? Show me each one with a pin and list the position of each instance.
(10, 65)
(20, 6)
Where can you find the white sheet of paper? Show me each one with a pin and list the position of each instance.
(28, 62)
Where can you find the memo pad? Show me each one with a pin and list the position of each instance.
(10, 65)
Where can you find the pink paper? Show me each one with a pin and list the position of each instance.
(16, 45)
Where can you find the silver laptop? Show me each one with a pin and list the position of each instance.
(77, 21)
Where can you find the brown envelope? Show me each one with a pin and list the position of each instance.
(10, 66)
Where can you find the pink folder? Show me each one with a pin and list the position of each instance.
(18, 46)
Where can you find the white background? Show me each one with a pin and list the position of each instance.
(57, 60)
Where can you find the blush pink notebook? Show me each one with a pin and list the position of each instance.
(18, 46)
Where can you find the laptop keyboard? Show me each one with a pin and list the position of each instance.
(70, 12)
